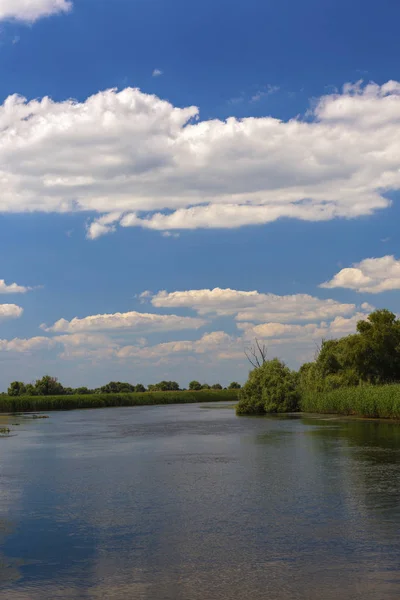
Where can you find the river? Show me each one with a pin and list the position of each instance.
(190, 502)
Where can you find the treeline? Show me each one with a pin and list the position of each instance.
(368, 358)
(50, 386)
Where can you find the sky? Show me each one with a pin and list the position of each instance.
(180, 178)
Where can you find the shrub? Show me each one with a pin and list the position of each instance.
(271, 388)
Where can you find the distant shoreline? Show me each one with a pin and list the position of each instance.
(21, 404)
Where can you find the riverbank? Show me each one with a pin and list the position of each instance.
(14, 404)
(369, 401)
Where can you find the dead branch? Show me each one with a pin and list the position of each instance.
(256, 354)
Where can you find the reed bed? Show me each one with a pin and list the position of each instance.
(11, 404)
(377, 401)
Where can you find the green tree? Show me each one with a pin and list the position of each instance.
(140, 388)
(216, 386)
(117, 387)
(49, 386)
(270, 388)
(234, 386)
(17, 388)
(30, 390)
(164, 386)
(195, 386)
(371, 355)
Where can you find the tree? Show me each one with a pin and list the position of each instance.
(216, 386)
(270, 388)
(371, 355)
(30, 390)
(234, 386)
(195, 386)
(164, 386)
(205, 386)
(140, 388)
(49, 386)
(17, 388)
(117, 387)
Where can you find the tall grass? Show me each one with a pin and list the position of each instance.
(378, 401)
(47, 403)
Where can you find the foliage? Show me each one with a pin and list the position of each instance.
(17, 388)
(216, 386)
(65, 402)
(164, 386)
(117, 387)
(344, 377)
(234, 386)
(372, 355)
(195, 385)
(270, 388)
(48, 386)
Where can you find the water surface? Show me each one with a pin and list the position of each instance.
(192, 503)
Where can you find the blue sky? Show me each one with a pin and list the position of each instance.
(223, 158)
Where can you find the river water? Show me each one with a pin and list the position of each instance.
(191, 502)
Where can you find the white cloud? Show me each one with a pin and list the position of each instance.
(211, 344)
(157, 72)
(372, 275)
(10, 311)
(102, 226)
(31, 10)
(253, 305)
(133, 321)
(292, 333)
(86, 345)
(12, 288)
(26, 345)
(133, 153)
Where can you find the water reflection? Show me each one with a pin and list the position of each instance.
(190, 503)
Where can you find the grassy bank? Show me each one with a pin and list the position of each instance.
(47, 403)
(378, 401)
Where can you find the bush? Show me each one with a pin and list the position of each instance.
(271, 388)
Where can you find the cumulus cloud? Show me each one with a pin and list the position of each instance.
(252, 305)
(12, 288)
(284, 333)
(10, 311)
(32, 10)
(214, 344)
(102, 226)
(372, 275)
(133, 321)
(26, 345)
(162, 168)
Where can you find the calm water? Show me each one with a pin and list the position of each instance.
(193, 503)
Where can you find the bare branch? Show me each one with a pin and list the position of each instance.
(256, 354)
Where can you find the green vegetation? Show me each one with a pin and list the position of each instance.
(271, 388)
(355, 375)
(14, 404)
(373, 401)
(50, 386)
